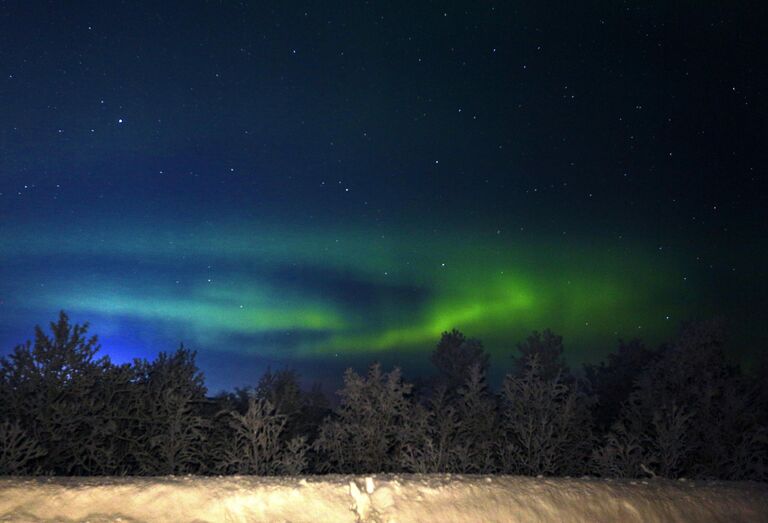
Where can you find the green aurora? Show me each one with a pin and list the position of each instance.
(210, 283)
(318, 186)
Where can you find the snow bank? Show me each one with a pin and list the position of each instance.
(378, 498)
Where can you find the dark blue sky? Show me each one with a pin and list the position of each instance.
(322, 184)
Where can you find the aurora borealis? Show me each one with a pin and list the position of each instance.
(316, 185)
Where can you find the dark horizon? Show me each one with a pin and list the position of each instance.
(415, 366)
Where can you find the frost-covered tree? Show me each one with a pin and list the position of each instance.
(365, 433)
(749, 456)
(314, 409)
(477, 430)
(548, 349)
(281, 388)
(612, 382)
(304, 410)
(645, 443)
(673, 405)
(546, 423)
(50, 388)
(419, 452)
(431, 435)
(170, 429)
(109, 417)
(622, 453)
(255, 446)
(18, 451)
(455, 355)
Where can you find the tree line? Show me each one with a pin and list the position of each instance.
(677, 410)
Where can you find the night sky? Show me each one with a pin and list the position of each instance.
(321, 184)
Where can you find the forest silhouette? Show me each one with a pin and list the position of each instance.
(676, 410)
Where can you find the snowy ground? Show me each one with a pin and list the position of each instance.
(378, 498)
